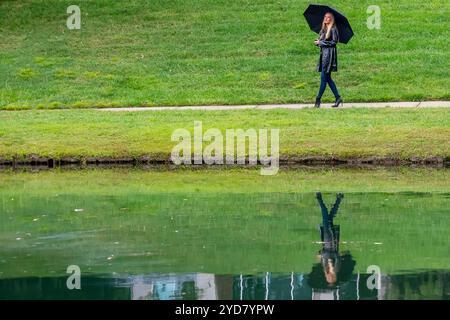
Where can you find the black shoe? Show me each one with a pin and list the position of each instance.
(317, 105)
(337, 103)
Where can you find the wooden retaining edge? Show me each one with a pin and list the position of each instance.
(286, 161)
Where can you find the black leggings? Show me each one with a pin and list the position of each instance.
(324, 79)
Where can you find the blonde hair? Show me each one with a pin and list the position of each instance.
(327, 29)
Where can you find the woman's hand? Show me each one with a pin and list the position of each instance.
(316, 42)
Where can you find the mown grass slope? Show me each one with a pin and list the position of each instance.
(393, 133)
(196, 52)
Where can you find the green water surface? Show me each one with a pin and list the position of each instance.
(221, 233)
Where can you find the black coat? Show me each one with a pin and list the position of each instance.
(328, 51)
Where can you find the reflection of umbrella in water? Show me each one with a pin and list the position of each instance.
(317, 278)
(314, 16)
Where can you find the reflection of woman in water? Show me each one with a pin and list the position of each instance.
(333, 266)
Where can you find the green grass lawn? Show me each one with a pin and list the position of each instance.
(195, 52)
(394, 133)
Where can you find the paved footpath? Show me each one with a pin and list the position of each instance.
(407, 104)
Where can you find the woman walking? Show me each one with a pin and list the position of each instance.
(328, 39)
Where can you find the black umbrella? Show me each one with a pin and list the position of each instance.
(314, 16)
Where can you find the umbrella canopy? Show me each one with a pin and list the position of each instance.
(314, 16)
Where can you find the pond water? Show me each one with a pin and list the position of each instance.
(225, 234)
